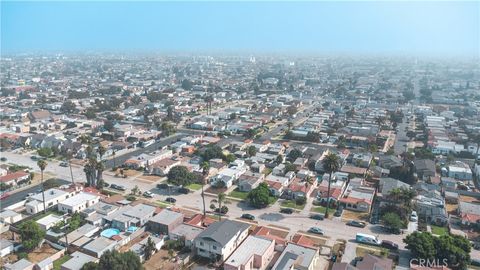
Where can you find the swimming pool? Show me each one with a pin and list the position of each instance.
(131, 229)
(110, 232)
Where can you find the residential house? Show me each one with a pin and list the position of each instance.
(425, 168)
(254, 253)
(460, 171)
(52, 198)
(358, 199)
(22, 264)
(15, 178)
(220, 239)
(128, 216)
(78, 202)
(6, 247)
(431, 206)
(227, 176)
(297, 257)
(77, 260)
(469, 213)
(163, 166)
(186, 232)
(165, 221)
(249, 181)
(99, 246)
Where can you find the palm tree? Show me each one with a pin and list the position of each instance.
(149, 249)
(308, 181)
(205, 171)
(221, 199)
(69, 158)
(42, 164)
(331, 164)
(113, 154)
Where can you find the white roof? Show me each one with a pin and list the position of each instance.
(49, 195)
(50, 219)
(253, 245)
(79, 199)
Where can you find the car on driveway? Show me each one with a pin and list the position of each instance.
(286, 210)
(338, 212)
(413, 216)
(316, 230)
(148, 194)
(63, 164)
(317, 217)
(356, 223)
(248, 216)
(389, 244)
(171, 200)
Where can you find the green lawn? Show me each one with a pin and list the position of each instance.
(238, 194)
(272, 200)
(58, 263)
(292, 204)
(194, 186)
(321, 209)
(163, 204)
(439, 230)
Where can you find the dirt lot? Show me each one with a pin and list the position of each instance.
(349, 215)
(468, 199)
(41, 253)
(149, 178)
(451, 208)
(160, 260)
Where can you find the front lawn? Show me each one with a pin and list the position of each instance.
(363, 250)
(439, 230)
(57, 264)
(321, 209)
(194, 186)
(292, 204)
(238, 194)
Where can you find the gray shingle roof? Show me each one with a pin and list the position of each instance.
(223, 231)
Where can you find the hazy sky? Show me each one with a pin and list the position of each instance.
(326, 27)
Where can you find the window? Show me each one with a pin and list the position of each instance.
(201, 244)
(214, 247)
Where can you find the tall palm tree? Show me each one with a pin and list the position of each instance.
(69, 158)
(221, 199)
(331, 164)
(42, 164)
(205, 171)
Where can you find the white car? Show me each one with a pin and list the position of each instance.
(148, 194)
(414, 216)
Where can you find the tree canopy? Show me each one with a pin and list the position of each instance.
(259, 197)
(31, 235)
(116, 260)
(180, 175)
(454, 249)
(393, 222)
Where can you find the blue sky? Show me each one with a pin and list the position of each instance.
(374, 27)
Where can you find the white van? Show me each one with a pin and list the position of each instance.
(367, 239)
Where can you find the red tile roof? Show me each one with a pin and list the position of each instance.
(12, 176)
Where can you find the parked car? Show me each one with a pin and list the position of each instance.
(317, 217)
(3, 159)
(357, 223)
(162, 186)
(414, 216)
(63, 164)
(389, 244)
(338, 212)
(148, 194)
(171, 200)
(33, 157)
(248, 216)
(118, 187)
(286, 210)
(183, 190)
(4, 195)
(316, 230)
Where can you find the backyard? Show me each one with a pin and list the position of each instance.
(57, 264)
(439, 230)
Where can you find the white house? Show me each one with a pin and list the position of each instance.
(52, 197)
(78, 202)
(6, 247)
(227, 176)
